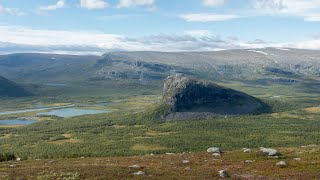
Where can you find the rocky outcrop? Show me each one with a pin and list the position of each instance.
(269, 151)
(190, 96)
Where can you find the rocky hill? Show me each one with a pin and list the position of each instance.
(188, 97)
(11, 89)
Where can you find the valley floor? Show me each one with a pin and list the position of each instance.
(170, 166)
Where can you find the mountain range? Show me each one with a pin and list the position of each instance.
(265, 66)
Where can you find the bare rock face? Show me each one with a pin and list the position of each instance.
(186, 95)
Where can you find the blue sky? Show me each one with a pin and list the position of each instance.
(98, 26)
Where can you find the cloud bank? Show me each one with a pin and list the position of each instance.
(58, 5)
(20, 39)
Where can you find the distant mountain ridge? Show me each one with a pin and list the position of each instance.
(265, 66)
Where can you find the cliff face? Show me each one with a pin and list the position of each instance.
(184, 94)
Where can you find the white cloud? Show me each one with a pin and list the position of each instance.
(312, 17)
(133, 3)
(94, 4)
(198, 33)
(11, 11)
(308, 9)
(28, 36)
(208, 17)
(311, 44)
(21, 39)
(58, 5)
(213, 3)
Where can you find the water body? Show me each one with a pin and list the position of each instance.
(16, 122)
(70, 112)
(56, 84)
(104, 104)
(33, 110)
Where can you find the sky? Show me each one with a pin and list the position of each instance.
(100, 26)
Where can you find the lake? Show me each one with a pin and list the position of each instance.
(32, 110)
(16, 122)
(56, 84)
(70, 112)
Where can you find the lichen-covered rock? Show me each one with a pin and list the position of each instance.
(223, 174)
(139, 173)
(269, 151)
(185, 161)
(185, 94)
(282, 164)
(214, 150)
(246, 150)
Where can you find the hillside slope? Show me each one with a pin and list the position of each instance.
(11, 89)
(46, 67)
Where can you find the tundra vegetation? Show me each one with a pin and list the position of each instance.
(108, 144)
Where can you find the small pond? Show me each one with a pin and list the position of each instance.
(32, 110)
(70, 112)
(16, 122)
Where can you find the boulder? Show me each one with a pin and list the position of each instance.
(269, 151)
(216, 154)
(139, 173)
(135, 167)
(282, 164)
(214, 150)
(223, 174)
(297, 159)
(246, 150)
(185, 161)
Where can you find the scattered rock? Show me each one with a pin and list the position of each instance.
(297, 159)
(249, 161)
(312, 145)
(246, 150)
(223, 174)
(185, 161)
(282, 164)
(214, 150)
(187, 169)
(269, 151)
(216, 154)
(18, 159)
(139, 173)
(169, 153)
(135, 167)
(12, 165)
(273, 157)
